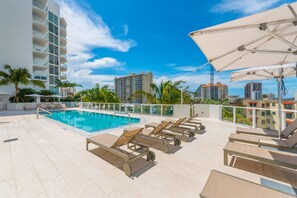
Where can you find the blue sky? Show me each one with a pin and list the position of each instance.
(108, 38)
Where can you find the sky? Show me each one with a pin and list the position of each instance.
(109, 38)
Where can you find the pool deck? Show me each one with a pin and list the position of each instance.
(50, 159)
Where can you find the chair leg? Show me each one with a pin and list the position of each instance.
(225, 158)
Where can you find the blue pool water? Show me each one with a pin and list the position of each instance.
(91, 122)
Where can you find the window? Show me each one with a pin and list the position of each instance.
(262, 122)
(263, 113)
(51, 69)
(263, 105)
(268, 121)
(53, 59)
(51, 80)
(53, 18)
(273, 113)
(289, 115)
(53, 39)
(273, 104)
(53, 49)
(268, 113)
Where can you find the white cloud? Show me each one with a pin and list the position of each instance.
(87, 31)
(244, 6)
(126, 29)
(186, 68)
(86, 78)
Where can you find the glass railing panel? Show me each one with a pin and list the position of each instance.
(130, 108)
(156, 109)
(137, 108)
(244, 116)
(167, 110)
(146, 109)
(123, 108)
(117, 107)
(227, 114)
(267, 119)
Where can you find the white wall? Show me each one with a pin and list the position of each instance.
(202, 110)
(15, 36)
(181, 111)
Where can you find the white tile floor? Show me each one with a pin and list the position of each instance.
(50, 160)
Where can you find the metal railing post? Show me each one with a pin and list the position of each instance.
(254, 119)
(141, 110)
(283, 120)
(151, 110)
(161, 110)
(234, 115)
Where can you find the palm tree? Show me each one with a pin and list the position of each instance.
(66, 84)
(17, 77)
(167, 93)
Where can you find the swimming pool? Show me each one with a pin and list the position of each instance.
(91, 122)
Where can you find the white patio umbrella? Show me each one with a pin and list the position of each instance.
(266, 38)
(37, 96)
(278, 72)
(52, 96)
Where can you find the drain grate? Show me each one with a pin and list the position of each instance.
(10, 140)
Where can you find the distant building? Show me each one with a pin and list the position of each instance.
(267, 118)
(271, 96)
(220, 91)
(66, 92)
(296, 96)
(253, 90)
(233, 98)
(111, 89)
(126, 86)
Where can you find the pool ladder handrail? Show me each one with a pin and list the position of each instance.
(40, 109)
(120, 113)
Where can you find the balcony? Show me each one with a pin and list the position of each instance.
(39, 24)
(63, 31)
(63, 59)
(63, 49)
(39, 64)
(63, 67)
(39, 9)
(40, 38)
(41, 78)
(63, 23)
(39, 51)
(63, 40)
(63, 76)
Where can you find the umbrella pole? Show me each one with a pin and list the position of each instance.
(279, 105)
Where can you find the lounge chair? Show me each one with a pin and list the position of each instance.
(192, 123)
(267, 132)
(277, 158)
(223, 185)
(156, 138)
(28, 107)
(112, 144)
(285, 144)
(184, 134)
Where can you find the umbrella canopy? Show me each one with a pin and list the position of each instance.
(266, 38)
(264, 73)
(52, 96)
(37, 96)
(34, 95)
(278, 72)
(4, 93)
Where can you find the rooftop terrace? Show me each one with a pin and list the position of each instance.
(49, 159)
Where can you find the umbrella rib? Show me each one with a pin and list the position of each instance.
(286, 56)
(238, 77)
(271, 74)
(292, 11)
(247, 44)
(201, 32)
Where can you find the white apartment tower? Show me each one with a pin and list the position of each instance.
(33, 36)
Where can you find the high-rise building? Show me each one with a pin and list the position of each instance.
(296, 96)
(270, 96)
(220, 91)
(253, 90)
(126, 86)
(33, 36)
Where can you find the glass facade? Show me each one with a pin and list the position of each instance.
(54, 69)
